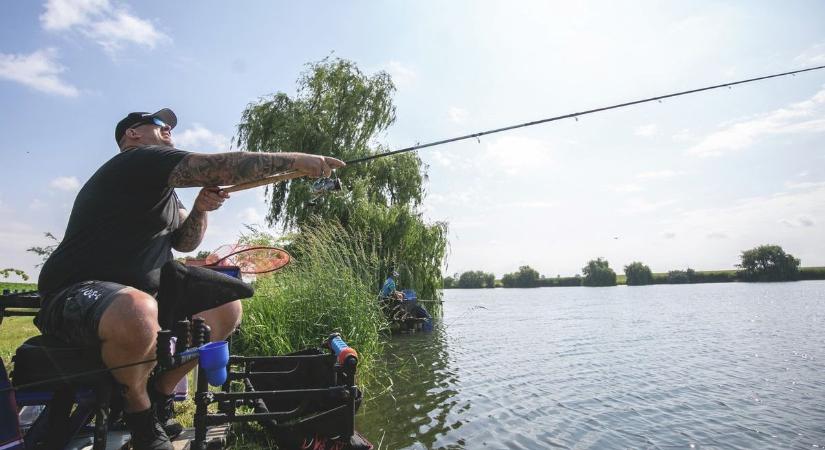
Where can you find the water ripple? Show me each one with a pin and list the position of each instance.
(725, 365)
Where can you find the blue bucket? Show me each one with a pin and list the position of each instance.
(214, 357)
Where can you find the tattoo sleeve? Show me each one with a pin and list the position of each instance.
(189, 234)
(221, 169)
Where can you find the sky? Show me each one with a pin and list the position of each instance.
(688, 182)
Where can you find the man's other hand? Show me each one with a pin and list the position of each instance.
(315, 165)
(209, 199)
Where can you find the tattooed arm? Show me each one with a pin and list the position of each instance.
(190, 233)
(223, 169)
(188, 236)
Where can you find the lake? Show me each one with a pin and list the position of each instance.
(734, 365)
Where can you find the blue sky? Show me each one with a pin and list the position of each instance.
(691, 182)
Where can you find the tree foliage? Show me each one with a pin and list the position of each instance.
(638, 274)
(450, 282)
(339, 111)
(475, 279)
(678, 276)
(524, 278)
(12, 271)
(47, 250)
(768, 263)
(597, 272)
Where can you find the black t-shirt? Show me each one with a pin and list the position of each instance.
(121, 224)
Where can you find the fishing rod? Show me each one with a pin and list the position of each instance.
(323, 186)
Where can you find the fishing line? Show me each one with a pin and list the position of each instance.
(465, 314)
(576, 114)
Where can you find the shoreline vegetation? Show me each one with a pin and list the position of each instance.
(672, 277)
(765, 263)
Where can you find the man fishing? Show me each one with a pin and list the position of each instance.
(389, 289)
(98, 286)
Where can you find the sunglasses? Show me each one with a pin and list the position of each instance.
(154, 121)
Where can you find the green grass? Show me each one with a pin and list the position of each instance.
(15, 330)
(17, 286)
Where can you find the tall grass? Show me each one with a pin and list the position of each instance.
(329, 286)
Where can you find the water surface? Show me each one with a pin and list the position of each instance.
(735, 365)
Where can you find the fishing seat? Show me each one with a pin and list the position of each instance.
(66, 375)
(62, 370)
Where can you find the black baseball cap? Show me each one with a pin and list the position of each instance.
(136, 118)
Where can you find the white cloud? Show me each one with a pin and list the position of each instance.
(39, 70)
(717, 235)
(401, 74)
(37, 205)
(813, 55)
(530, 205)
(669, 235)
(200, 138)
(441, 158)
(657, 175)
(457, 115)
(753, 218)
(804, 184)
(251, 216)
(626, 188)
(682, 136)
(469, 196)
(517, 155)
(799, 221)
(122, 28)
(68, 184)
(635, 206)
(64, 14)
(109, 25)
(649, 130)
(807, 116)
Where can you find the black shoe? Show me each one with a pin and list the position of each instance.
(147, 434)
(164, 406)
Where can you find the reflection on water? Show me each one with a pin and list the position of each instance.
(415, 409)
(723, 365)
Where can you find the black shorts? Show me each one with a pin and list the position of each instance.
(73, 314)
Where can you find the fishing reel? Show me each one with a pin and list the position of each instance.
(321, 187)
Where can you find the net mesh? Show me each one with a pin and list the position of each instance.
(251, 259)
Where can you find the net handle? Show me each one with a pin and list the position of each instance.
(264, 181)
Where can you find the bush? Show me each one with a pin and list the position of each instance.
(476, 279)
(450, 282)
(720, 276)
(638, 274)
(678, 277)
(597, 272)
(768, 263)
(812, 273)
(525, 277)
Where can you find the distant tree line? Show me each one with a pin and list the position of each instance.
(763, 263)
(474, 279)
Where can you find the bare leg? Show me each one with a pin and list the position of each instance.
(223, 320)
(128, 331)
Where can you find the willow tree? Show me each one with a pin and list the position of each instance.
(339, 111)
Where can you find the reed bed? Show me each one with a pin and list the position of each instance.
(328, 287)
